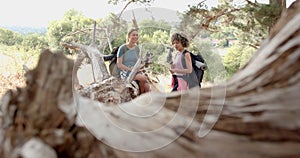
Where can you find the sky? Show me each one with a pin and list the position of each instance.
(38, 13)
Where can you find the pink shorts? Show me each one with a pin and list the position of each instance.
(182, 84)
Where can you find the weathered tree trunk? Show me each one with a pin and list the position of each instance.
(106, 88)
(254, 114)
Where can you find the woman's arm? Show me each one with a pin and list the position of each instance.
(189, 67)
(188, 61)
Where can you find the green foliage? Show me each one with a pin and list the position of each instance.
(9, 38)
(21, 49)
(232, 59)
(160, 36)
(72, 21)
(190, 25)
(256, 22)
(249, 23)
(247, 54)
(116, 29)
(157, 50)
(266, 14)
(224, 35)
(110, 28)
(34, 42)
(19, 57)
(157, 39)
(56, 31)
(154, 40)
(147, 27)
(216, 72)
(236, 57)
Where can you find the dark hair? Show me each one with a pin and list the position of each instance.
(180, 38)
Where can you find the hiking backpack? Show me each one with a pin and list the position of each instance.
(195, 78)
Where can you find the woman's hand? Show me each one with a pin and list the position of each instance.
(172, 71)
(172, 66)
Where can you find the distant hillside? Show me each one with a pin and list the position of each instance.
(26, 30)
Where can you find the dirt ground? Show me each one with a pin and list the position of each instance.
(85, 77)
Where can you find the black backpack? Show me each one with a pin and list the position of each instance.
(195, 78)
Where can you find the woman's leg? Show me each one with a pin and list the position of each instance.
(144, 87)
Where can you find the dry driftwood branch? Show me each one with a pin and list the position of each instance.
(135, 69)
(259, 111)
(127, 4)
(99, 69)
